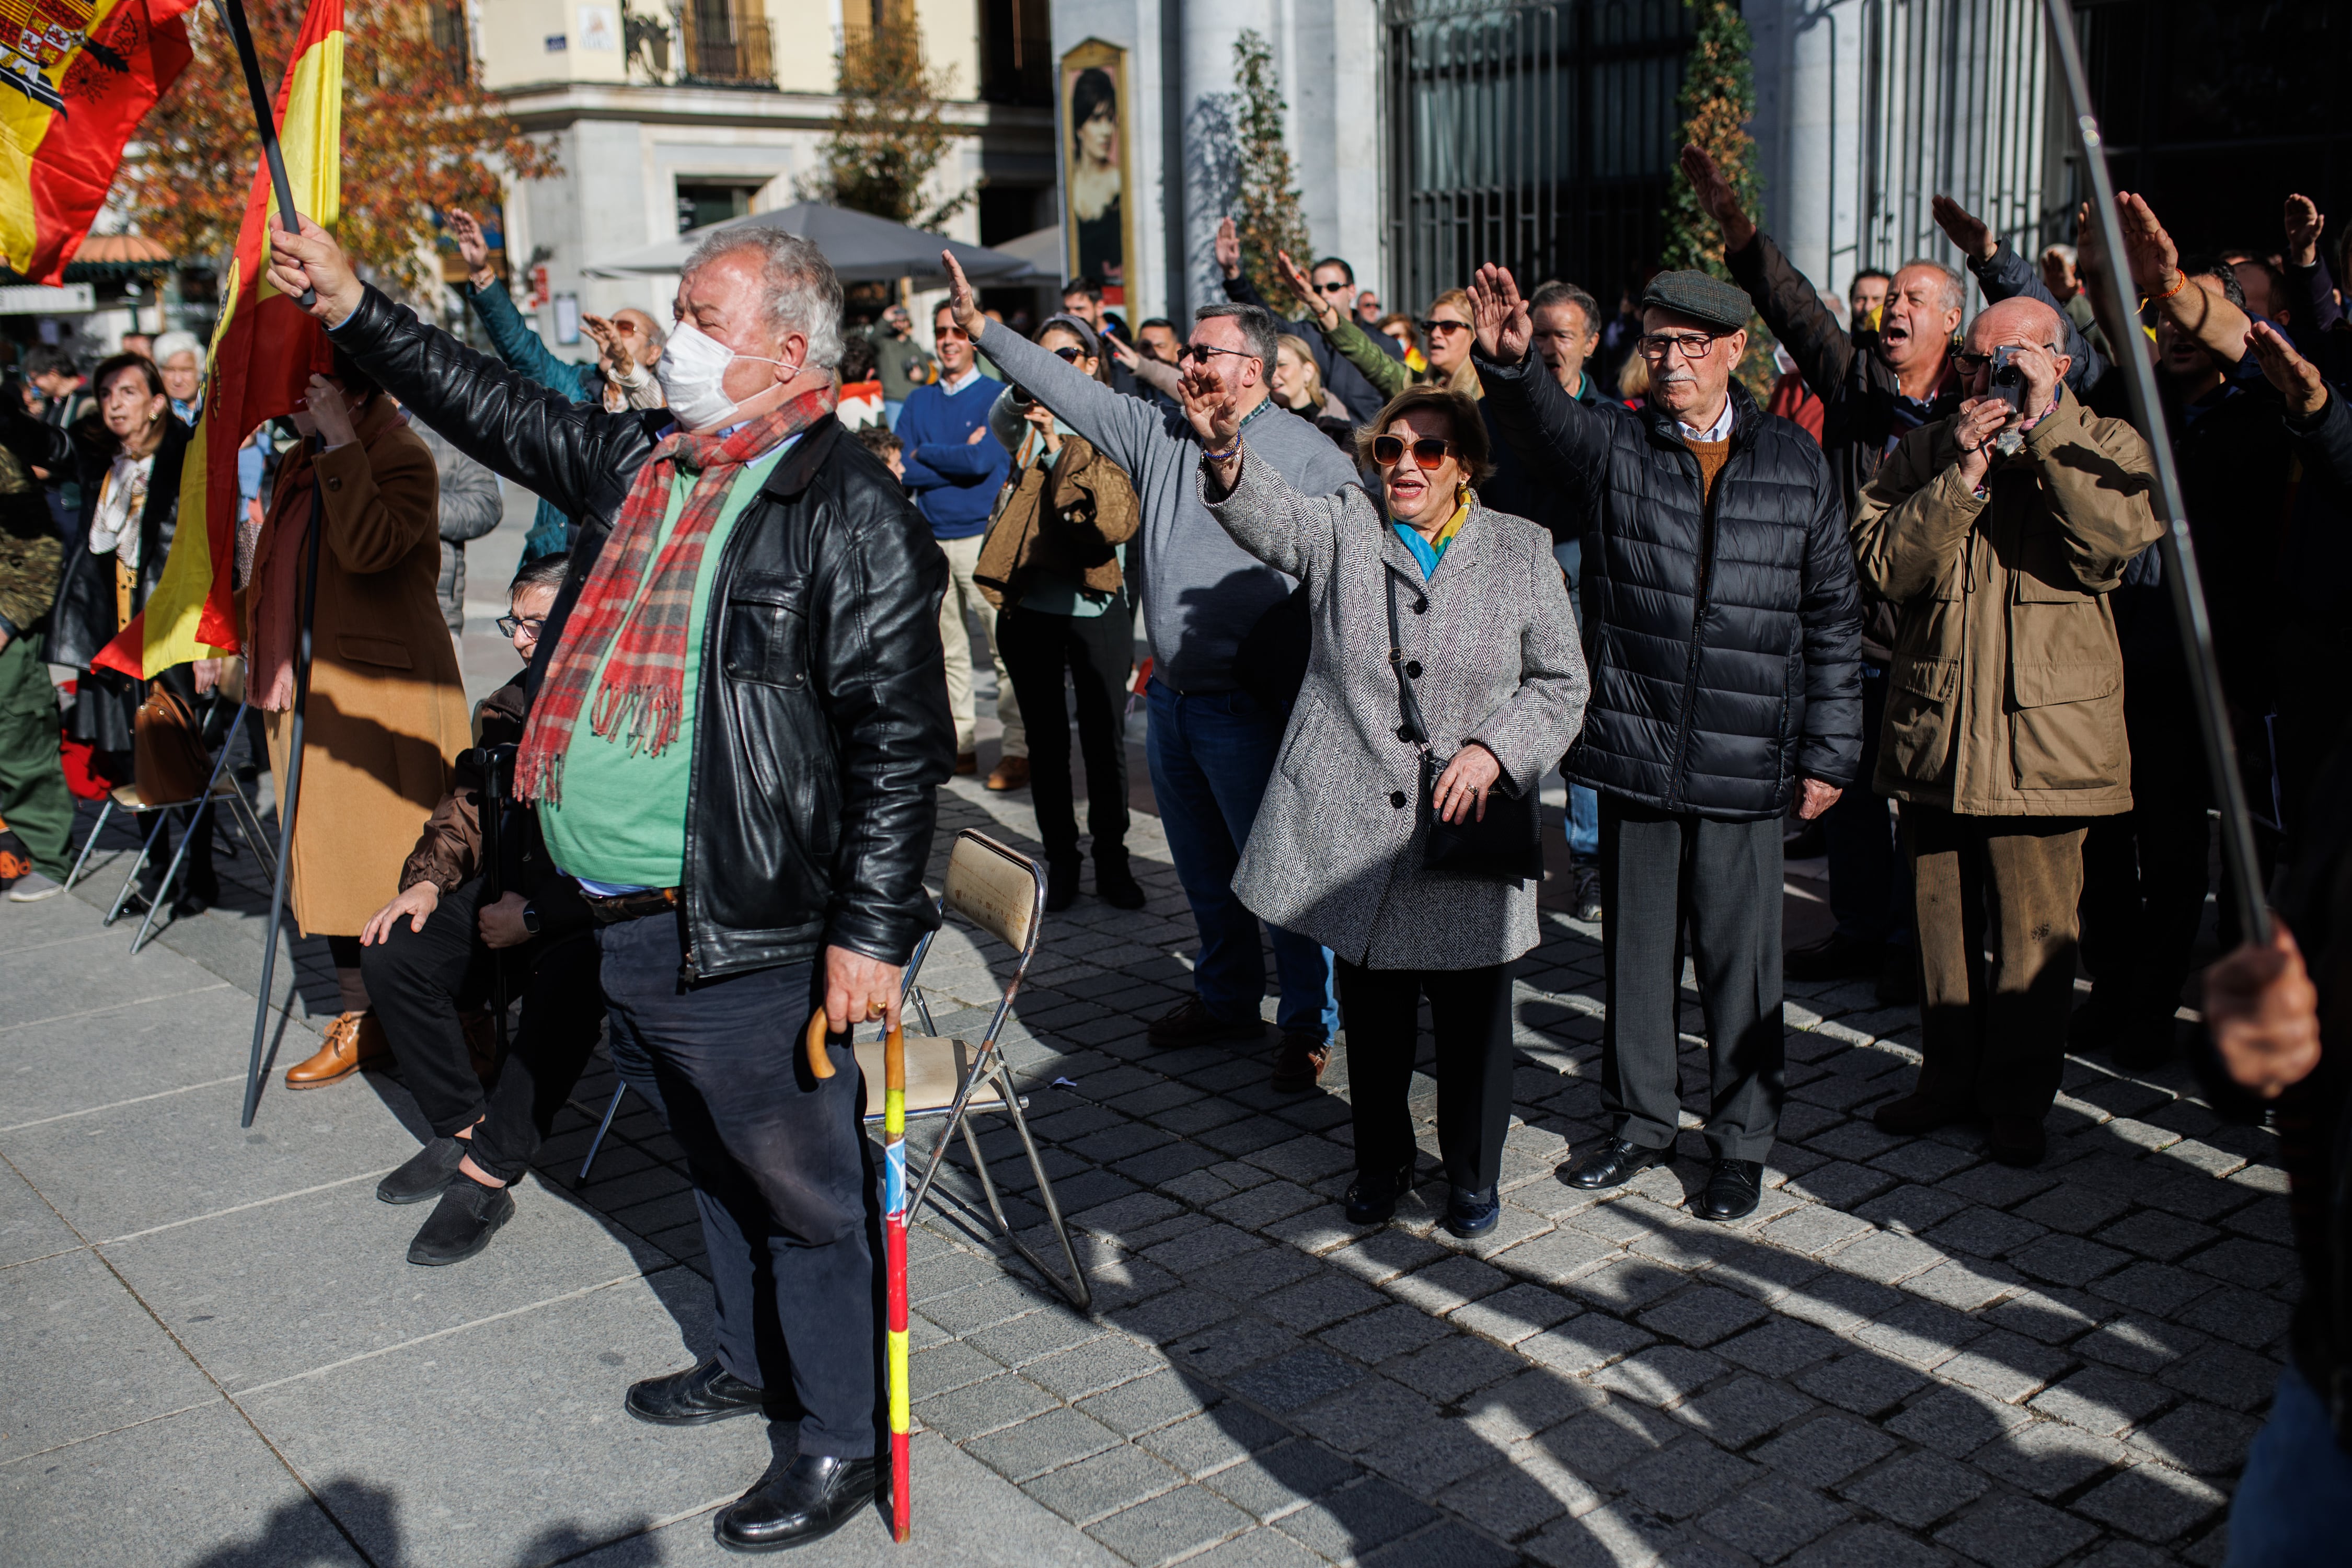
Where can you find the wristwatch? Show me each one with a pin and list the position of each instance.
(530, 918)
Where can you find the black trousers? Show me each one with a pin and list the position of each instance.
(782, 1173)
(1098, 651)
(420, 980)
(1870, 890)
(1470, 1015)
(1656, 867)
(2145, 873)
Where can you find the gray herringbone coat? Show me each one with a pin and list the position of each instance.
(1336, 853)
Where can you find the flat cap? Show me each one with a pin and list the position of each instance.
(1702, 297)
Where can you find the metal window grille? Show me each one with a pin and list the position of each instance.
(1536, 133)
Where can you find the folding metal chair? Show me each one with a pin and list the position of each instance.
(1002, 892)
(220, 786)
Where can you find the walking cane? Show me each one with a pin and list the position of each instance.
(2238, 857)
(293, 800)
(894, 1235)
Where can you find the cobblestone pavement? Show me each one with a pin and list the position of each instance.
(213, 1353)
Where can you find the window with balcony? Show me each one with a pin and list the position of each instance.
(726, 43)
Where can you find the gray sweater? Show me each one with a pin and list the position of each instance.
(1201, 593)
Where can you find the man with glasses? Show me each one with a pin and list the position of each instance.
(954, 468)
(1722, 629)
(1212, 745)
(1998, 535)
(1333, 283)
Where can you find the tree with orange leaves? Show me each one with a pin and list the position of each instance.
(420, 134)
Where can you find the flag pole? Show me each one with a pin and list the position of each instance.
(2238, 855)
(287, 810)
(231, 15)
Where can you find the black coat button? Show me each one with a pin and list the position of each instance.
(1412, 668)
(1396, 798)
(1421, 606)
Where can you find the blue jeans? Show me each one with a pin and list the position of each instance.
(890, 413)
(2297, 1489)
(1583, 822)
(1211, 756)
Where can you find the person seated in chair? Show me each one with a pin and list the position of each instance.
(428, 957)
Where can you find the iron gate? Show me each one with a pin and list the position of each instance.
(1537, 133)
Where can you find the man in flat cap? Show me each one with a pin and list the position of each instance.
(1724, 638)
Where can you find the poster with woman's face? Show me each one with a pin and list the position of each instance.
(1094, 113)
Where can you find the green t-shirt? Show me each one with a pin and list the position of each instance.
(621, 821)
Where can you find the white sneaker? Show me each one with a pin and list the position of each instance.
(32, 887)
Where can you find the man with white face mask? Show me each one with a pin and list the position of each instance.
(749, 623)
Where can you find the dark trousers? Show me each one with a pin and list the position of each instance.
(1470, 1015)
(1869, 884)
(1656, 869)
(33, 800)
(421, 979)
(1993, 1037)
(1097, 651)
(791, 1224)
(2145, 873)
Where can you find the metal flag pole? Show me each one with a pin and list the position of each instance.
(287, 811)
(2238, 855)
(231, 15)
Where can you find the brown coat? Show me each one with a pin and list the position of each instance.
(386, 717)
(2006, 695)
(1067, 517)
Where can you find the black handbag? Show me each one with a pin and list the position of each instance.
(1507, 843)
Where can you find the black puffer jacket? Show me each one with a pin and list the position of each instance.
(1723, 641)
(821, 730)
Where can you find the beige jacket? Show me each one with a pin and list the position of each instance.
(2005, 698)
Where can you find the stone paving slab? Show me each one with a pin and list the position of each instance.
(1909, 1354)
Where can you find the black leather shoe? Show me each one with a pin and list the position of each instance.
(1469, 1215)
(462, 1223)
(2017, 1141)
(427, 1171)
(793, 1504)
(702, 1394)
(1061, 884)
(1115, 882)
(1835, 957)
(1372, 1195)
(1615, 1163)
(1733, 1190)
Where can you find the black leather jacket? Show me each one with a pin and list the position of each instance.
(821, 730)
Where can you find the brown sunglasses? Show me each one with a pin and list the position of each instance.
(1428, 451)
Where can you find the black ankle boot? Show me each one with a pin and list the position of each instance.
(1115, 884)
(1062, 882)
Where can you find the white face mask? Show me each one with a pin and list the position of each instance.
(690, 370)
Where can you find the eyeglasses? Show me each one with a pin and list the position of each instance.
(511, 624)
(1200, 354)
(1428, 451)
(1694, 345)
(1069, 354)
(1333, 288)
(1436, 325)
(957, 333)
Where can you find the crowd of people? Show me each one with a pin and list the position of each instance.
(1391, 572)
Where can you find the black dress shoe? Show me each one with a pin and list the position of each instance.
(799, 1503)
(1615, 1163)
(1469, 1215)
(462, 1223)
(1115, 882)
(1372, 1195)
(1835, 957)
(427, 1171)
(1733, 1190)
(1061, 884)
(702, 1394)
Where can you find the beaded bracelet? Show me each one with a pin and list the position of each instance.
(1220, 457)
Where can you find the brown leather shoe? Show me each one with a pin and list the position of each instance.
(1301, 1062)
(1010, 773)
(352, 1038)
(967, 762)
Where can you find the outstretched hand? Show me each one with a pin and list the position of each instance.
(1499, 316)
(2148, 251)
(960, 300)
(1715, 196)
(313, 261)
(1209, 404)
(473, 248)
(1229, 248)
(2090, 244)
(2297, 379)
(2304, 224)
(1969, 233)
(1324, 313)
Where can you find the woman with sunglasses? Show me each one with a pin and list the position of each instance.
(1428, 590)
(1056, 562)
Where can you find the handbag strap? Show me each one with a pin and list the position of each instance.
(1406, 700)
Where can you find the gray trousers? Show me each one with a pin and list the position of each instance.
(1655, 866)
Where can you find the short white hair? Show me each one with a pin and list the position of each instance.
(172, 344)
(804, 292)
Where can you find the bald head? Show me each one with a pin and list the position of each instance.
(2018, 320)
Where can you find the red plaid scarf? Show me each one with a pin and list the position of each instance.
(644, 690)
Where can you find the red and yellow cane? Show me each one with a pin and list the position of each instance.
(894, 1235)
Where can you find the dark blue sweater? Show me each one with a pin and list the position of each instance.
(954, 479)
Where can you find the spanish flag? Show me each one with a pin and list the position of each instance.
(264, 350)
(76, 78)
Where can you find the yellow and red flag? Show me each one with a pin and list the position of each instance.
(76, 78)
(264, 350)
